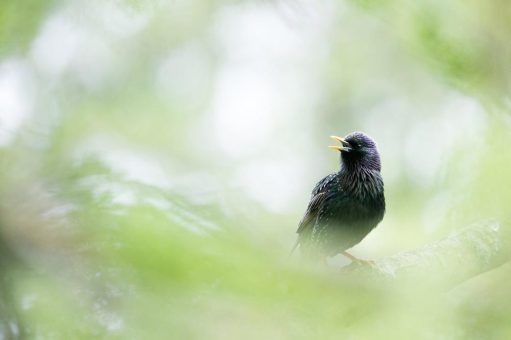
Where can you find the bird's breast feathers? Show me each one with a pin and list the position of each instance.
(362, 185)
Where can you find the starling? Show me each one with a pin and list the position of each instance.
(344, 206)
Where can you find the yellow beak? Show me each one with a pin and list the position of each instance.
(338, 147)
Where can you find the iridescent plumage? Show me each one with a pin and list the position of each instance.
(344, 206)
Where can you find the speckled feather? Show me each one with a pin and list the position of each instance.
(345, 206)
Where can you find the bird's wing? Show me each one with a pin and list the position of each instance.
(318, 197)
(312, 211)
(308, 220)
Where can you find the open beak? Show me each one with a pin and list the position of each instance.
(345, 146)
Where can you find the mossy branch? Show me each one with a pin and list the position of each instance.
(445, 263)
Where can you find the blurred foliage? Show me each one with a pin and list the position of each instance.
(464, 41)
(15, 33)
(157, 156)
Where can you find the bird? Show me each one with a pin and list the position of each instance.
(346, 205)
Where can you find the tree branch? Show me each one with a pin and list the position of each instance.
(470, 252)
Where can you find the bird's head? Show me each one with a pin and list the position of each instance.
(358, 150)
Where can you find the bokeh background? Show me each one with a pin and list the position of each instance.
(156, 157)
